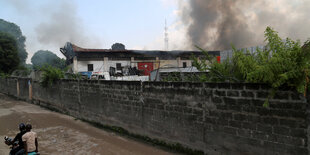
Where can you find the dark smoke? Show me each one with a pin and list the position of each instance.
(219, 24)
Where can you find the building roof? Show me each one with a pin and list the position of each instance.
(70, 50)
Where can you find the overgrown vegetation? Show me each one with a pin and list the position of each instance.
(50, 75)
(281, 62)
(181, 76)
(73, 76)
(225, 71)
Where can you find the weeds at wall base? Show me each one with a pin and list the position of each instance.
(174, 147)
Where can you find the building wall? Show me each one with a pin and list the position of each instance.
(98, 66)
(102, 66)
(168, 63)
(112, 63)
(218, 118)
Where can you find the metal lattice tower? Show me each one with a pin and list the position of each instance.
(166, 36)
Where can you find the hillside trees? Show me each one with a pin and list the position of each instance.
(45, 57)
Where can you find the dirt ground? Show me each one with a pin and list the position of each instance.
(61, 134)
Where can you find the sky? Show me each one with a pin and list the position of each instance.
(139, 24)
(49, 24)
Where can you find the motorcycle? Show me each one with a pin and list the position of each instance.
(9, 141)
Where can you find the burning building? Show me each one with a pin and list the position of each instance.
(126, 62)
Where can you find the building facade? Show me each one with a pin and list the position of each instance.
(126, 61)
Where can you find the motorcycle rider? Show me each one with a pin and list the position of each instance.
(20, 149)
(30, 140)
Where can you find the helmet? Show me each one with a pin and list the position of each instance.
(21, 126)
(28, 126)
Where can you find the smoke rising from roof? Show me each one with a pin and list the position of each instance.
(64, 25)
(218, 24)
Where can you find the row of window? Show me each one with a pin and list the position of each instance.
(90, 67)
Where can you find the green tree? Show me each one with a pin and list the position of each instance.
(281, 62)
(9, 60)
(45, 57)
(15, 31)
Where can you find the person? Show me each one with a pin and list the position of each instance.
(30, 140)
(20, 149)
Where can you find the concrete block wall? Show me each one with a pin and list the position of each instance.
(222, 118)
(23, 86)
(17, 87)
(218, 118)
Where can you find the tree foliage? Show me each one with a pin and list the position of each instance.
(118, 46)
(42, 58)
(50, 75)
(281, 62)
(226, 71)
(15, 31)
(8, 53)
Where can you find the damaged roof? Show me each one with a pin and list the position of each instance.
(70, 50)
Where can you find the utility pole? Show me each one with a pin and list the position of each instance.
(166, 36)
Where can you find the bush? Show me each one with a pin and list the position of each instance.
(50, 75)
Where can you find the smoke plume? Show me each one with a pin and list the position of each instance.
(218, 24)
(64, 25)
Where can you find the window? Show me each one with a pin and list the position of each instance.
(184, 65)
(90, 67)
(118, 66)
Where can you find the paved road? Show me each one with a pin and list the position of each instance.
(61, 134)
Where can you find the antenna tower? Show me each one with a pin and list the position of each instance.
(166, 36)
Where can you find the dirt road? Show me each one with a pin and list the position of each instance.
(61, 134)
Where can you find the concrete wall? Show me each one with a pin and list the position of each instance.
(218, 118)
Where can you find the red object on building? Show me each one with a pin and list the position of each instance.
(218, 59)
(147, 67)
